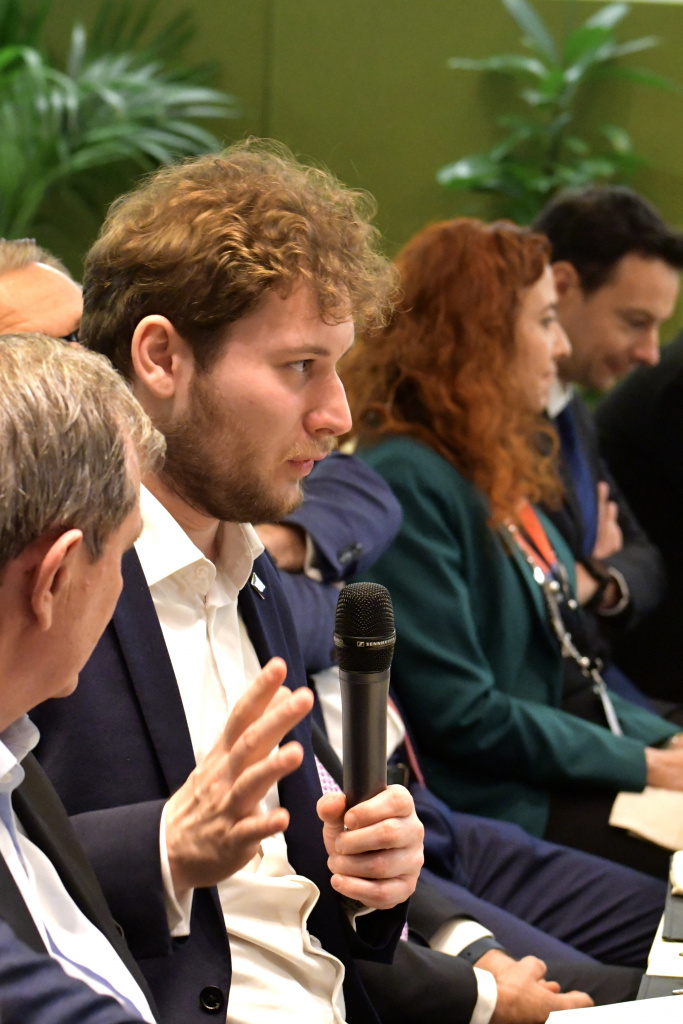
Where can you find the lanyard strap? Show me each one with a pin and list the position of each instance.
(534, 544)
(533, 540)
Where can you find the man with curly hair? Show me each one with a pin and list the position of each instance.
(226, 290)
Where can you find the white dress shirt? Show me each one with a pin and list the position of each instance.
(278, 967)
(68, 935)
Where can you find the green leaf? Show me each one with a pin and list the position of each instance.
(608, 16)
(635, 46)
(510, 64)
(463, 173)
(582, 41)
(618, 138)
(641, 76)
(531, 24)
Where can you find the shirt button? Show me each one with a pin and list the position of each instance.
(211, 999)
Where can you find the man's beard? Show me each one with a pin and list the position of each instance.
(214, 467)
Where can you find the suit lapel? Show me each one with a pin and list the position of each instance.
(136, 625)
(46, 824)
(15, 912)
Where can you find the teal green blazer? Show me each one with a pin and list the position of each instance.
(477, 669)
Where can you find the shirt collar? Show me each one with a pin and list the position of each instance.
(560, 397)
(15, 743)
(164, 548)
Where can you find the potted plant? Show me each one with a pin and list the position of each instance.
(542, 148)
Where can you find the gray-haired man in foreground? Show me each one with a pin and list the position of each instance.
(75, 442)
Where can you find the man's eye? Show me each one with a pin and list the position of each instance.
(301, 365)
(637, 323)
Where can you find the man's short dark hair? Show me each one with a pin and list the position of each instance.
(594, 228)
(201, 242)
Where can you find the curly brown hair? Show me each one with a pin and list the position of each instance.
(443, 371)
(200, 242)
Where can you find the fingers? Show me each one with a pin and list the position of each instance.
(259, 738)
(253, 784)
(393, 802)
(254, 702)
(378, 857)
(381, 895)
(330, 810)
(602, 493)
(533, 967)
(379, 865)
(573, 1000)
(386, 822)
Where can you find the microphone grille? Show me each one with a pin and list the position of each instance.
(364, 634)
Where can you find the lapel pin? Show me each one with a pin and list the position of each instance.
(258, 585)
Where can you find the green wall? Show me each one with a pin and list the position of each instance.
(362, 86)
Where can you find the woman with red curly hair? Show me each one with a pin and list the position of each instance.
(447, 403)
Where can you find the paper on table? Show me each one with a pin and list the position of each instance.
(654, 814)
(676, 873)
(668, 1010)
(666, 958)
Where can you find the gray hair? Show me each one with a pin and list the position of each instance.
(17, 253)
(68, 421)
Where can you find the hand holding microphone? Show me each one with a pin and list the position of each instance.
(373, 837)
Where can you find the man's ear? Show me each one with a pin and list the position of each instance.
(566, 277)
(52, 573)
(160, 357)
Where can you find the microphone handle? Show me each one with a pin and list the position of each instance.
(364, 733)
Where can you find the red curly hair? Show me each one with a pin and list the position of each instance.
(443, 370)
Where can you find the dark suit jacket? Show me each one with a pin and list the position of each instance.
(45, 822)
(119, 746)
(35, 990)
(640, 426)
(351, 516)
(639, 561)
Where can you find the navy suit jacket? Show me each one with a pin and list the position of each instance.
(45, 823)
(119, 746)
(35, 990)
(351, 515)
(639, 561)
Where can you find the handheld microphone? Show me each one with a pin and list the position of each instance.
(364, 639)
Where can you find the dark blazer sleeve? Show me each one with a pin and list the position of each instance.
(421, 985)
(313, 606)
(639, 560)
(350, 514)
(35, 990)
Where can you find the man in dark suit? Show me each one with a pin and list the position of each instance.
(74, 444)
(255, 269)
(640, 426)
(616, 267)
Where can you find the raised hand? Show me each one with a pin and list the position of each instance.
(213, 822)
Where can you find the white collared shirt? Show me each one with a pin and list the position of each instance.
(68, 935)
(277, 966)
(560, 397)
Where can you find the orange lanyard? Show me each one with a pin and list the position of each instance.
(533, 540)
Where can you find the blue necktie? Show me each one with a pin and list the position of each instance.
(579, 471)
